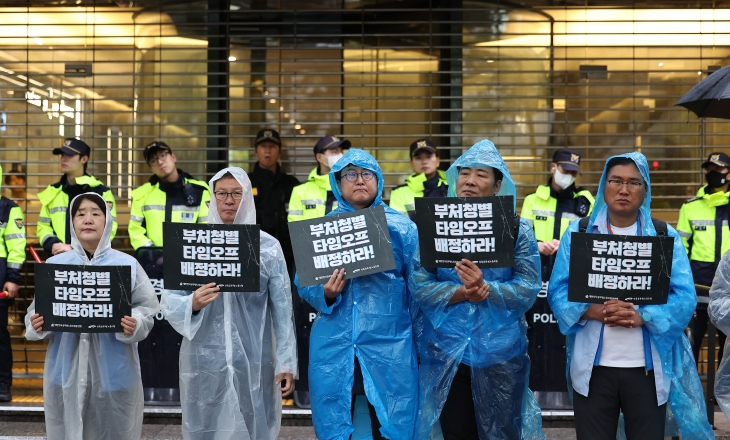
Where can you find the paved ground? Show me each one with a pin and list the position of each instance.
(36, 431)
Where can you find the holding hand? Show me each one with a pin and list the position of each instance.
(548, 247)
(36, 321)
(129, 324)
(288, 387)
(60, 248)
(12, 289)
(477, 294)
(335, 284)
(205, 295)
(469, 274)
(621, 314)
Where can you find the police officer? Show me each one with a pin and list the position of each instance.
(53, 224)
(171, 195)
(703, 226)
(314, 198)
(428, 180)
(561, 200)
(272, 189)
(12, 257)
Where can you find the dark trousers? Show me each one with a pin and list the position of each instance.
(699, 329)
(613, 390)
(500, 388)
(358, 389)
(6, 352)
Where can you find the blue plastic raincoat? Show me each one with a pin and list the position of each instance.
(234, 347)
(489, 333)
(92, 385)
(674, 367)
(370, 319)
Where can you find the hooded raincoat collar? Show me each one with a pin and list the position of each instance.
(600, 209)
(104, 243)
(480, 155)
(362, 159)
(246, 214)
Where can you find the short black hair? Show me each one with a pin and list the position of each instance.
(93, 198)
(498, 175)
(621, 160)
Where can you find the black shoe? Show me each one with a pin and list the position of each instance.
(5, 395)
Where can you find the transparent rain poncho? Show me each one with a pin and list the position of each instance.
(675, 369)
(490, 333)
(234, 347)
(719, 311)
(370, 319)
(92, 386)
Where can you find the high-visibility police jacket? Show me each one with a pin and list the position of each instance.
(403, 197)
(312, 199)
(155, 202)
(543, 206)
(703, 226)
(12, 242)
(53, 226)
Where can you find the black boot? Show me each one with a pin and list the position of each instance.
(5, 395)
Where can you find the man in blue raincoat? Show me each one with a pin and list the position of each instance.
(623, 358)
(474, 367)
(363, 337)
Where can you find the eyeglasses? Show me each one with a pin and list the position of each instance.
(223, 196)
(158, 158)
(632, 186)
(366, 175)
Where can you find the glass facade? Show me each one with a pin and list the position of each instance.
(204, 77)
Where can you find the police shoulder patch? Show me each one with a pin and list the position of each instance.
(19, 223)
(110, 205)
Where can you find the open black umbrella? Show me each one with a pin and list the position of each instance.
(710, 98)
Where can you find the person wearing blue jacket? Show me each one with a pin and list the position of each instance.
(474, 368)
(624, 358)
(363, 335)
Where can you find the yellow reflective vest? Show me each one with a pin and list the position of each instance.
(155, 202)
(12, 241)
(52, 221)
(309, 199)
(539, 208)
(696, 226)
(403, 198)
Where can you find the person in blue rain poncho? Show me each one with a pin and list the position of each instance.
(474, 367)
(362, 337)
(624, 358)
(237, 347)
(92, 385)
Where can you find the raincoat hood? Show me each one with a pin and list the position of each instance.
(246, 214)
(480, 155)
(600, 207)
(104, 243)
(362, 159)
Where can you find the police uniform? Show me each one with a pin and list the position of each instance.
(402, 197)
(314, 198)
(271, 194)
(53, 224)
(12, 257)
(703, 226)
(550, 213)
(183, 201)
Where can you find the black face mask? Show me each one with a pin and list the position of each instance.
(715, 179)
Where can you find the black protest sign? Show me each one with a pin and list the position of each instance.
(628, 268)
(357, 241)
(480, 229)
(83, 299)
(198, 254)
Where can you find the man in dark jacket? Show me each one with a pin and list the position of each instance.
(271, 191)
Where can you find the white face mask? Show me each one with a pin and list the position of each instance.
(562, 180)
(332, 160)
